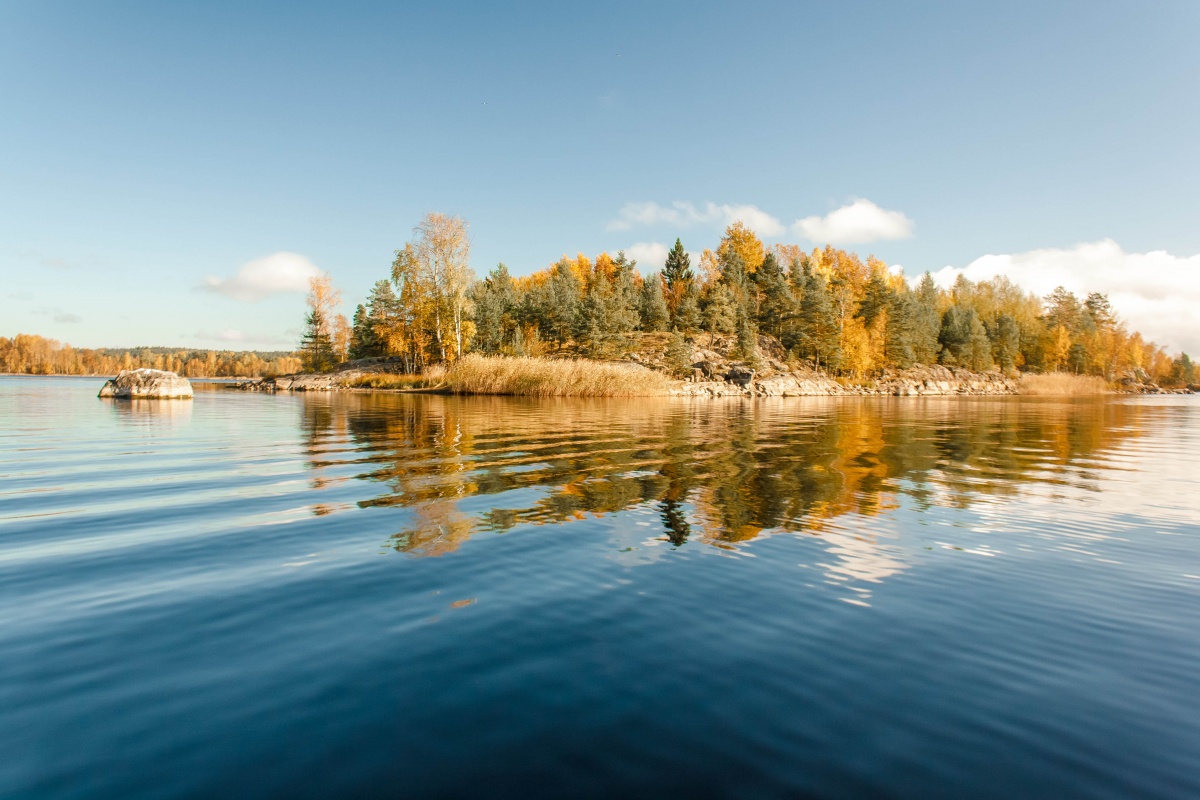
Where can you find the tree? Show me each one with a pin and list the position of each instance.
(816, 335)
(776, 304)
(720, 310)
(363, 343)
(927, 322)
(679, 355)
(687, 314)
(653, 312)
(1007, 343)
(562, 302)
(678, 278)
(741, 240)
(437, 262)
(494, 309)
(317, 346)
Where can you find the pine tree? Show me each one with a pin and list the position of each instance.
(679, 355)
(926, 322)
(494, 301)
(363, 342)
(964, 340)
(562, 299)
(316, 345)
(1006, 343)
(687, 313)
(591, 320)
(623, 311)
(776, 304)
(816, 332)
(720, 310)
(653, 313)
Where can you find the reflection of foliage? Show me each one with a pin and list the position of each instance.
(714, 472)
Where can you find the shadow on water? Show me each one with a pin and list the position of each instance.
(717, 473)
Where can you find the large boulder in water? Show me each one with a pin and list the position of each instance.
(147, 384)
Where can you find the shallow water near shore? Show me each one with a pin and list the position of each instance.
(382, 595)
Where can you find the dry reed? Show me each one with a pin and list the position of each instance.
(388, 380)
(547, 377)
(1062, 384)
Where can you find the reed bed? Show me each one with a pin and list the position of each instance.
(550, 377)
(1062, 384)
(387, 380)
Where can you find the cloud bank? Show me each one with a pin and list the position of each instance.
(859, 222)
(278, 273)
(1156, 293)
(686, 215)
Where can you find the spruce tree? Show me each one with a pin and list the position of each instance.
(363, 342)
(679, 279)
(316, 345)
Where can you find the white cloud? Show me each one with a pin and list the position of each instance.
(685, 215)
(1156, 293)
(859, 222)
(648, 255)
(278, 273)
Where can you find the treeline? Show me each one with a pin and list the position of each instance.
(827, 307)
(36, 355)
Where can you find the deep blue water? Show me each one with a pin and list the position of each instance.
(386, 595)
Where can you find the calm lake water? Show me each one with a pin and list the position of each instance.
(396, 595)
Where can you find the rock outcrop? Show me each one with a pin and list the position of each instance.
(345, 376)
(147, 384)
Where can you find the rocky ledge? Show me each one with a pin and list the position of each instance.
(345, 376)
(147, 384)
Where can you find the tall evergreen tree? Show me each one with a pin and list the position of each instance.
(926, 322)
(679, 280)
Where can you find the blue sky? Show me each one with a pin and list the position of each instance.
(150, 151)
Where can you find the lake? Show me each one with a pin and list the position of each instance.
(399, 595)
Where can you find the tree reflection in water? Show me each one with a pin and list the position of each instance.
(719, 473)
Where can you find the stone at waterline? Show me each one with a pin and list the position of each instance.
(147, 384)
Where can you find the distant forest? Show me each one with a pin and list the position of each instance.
(36, 355)
(827, 307)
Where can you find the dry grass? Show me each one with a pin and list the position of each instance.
(387, 380)
(1062, 384)
(546, 377)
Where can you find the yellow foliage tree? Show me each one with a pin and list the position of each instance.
(745, 243)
